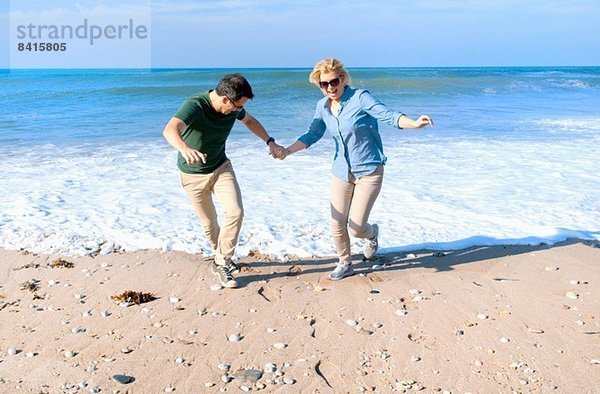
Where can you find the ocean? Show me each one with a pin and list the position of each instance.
(512, 159)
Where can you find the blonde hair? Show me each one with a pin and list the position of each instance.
(329, 65)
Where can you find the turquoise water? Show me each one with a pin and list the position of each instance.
(75, 106)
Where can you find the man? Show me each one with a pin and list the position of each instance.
(199, 131)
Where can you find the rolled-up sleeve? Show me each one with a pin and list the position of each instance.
(378, 110)
(315, 130)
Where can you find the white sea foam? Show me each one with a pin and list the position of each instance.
(438, 192)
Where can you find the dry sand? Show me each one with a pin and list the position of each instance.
(481, 320)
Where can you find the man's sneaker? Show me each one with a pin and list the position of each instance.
(232, 267)
(371, 244)
(224, 275)
(341, 271)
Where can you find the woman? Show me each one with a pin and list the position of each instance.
(351, 116)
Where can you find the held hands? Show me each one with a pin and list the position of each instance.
(277, 151)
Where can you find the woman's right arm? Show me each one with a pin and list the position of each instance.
(315, 132)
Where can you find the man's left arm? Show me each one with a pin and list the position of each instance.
(257, 129)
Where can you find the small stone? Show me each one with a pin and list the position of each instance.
(87, 314)
(351, 322)
(279, 345)
(415, 359)
(173, 300)
(123, 379)
(224, 367)
(248, 376)
(30, 354)
(270, 368)
(377, 267)
(169, 389)
(595, 361)
(271, 330)
(482, 316)
(550, 268)
(414, 292)
(401, 312)
(535, 330)
(51, 282)
(289, 380)
(504, 340)
(574, 282)
(12, 351)
(459, 332)
(226, 379)
(260, 385)
(478, 363)
(69, 353)
(180, 360)
(209, 384)
(105, 313)
(411, 256)
(245, 389)
(126, 350)
(216, 287)
(234, 338)
(374, 291)
(418, 298)
(78, 330)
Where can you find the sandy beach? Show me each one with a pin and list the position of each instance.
(479, 320)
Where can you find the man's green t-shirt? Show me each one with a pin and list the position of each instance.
(207, 131)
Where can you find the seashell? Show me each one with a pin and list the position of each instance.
(571, 295)
(126, 350)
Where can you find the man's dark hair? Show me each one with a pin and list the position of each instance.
(234, 87)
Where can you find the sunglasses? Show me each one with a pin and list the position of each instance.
(238, 107)
(333, 83)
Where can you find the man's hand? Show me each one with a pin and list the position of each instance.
(192, 156)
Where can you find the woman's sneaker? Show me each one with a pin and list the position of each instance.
(224, 275)
(341, 271)
(371, 244)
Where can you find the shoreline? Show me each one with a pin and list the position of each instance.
(481, 319)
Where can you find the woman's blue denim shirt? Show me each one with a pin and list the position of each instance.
(358, 147)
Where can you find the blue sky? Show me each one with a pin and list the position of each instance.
(403, 33)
